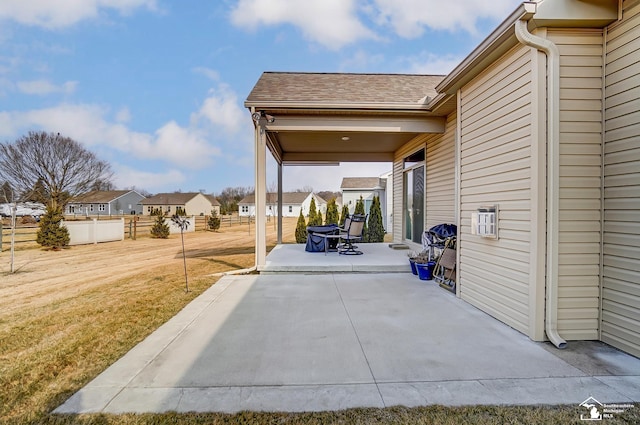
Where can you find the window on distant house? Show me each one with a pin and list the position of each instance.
(290, 208)
(91, 207)
(245, 208)
(169, 208)
(102, 207)
(149, 209)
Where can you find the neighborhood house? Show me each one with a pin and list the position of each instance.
(354, 188)
(192, 203)
(106, 202)
(537, 130)
(292, 204)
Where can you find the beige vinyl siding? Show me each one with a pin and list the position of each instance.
(495, 168)
(580, 182)
(439, 182)
(441, 174)
(620, 321)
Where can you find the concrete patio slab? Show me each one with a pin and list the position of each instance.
(376, 258)
(309, 342)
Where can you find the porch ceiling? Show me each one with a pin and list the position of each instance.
(330, 138)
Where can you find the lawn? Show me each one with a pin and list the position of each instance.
(66, 316)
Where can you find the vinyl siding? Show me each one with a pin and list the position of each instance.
(441, 170)
(581, 74)
(440, 178)
(495, 168)
(620, 321)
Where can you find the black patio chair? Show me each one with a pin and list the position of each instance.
(353, 234)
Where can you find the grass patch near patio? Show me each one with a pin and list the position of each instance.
(490, 415)
(48, 353)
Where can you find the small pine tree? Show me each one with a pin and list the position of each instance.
(301, 229)
(312, 212)
(213, 221)
(160, 229)
(332, 212)
(343, 215)
(360, 210)
(375, 228)
(51, 232)
(317, 216)
(359, 206)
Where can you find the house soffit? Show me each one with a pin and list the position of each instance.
(345, 137)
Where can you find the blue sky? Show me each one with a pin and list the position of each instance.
(156, 87)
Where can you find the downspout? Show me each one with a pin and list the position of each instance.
(553, 168)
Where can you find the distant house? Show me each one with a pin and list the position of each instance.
(193, 203)
(366, 187)
(106, 202)
(292, 204)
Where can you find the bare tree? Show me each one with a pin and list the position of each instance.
(230, 196)
(56, 167)
(306, 188)
(6, 193)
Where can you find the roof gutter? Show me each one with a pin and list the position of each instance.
(553, 166)
(419, 106)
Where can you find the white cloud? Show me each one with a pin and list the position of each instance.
(409, 18)
(123, 115)
(222, 109)
(432, 64)
(207, 72)
(90, 125)
(125, 176)
(185, 146)
(64, 13)
(45, 87)
(331, 23)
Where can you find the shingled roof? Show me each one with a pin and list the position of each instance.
(99, 196)
(362, 183)
(171, 198)
(341, 88)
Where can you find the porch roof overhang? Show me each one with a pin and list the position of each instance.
(338, 120)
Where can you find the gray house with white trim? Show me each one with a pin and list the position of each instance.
(106, 202)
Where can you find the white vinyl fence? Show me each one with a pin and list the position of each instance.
(94, 231)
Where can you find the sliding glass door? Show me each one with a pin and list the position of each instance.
(414, 203)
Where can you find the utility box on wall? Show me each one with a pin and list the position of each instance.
(484, 222)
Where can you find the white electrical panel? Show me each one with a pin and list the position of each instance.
(484, 222)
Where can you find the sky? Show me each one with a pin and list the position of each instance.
(157, 87)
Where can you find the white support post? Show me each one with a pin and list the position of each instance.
(279, 202)
(261, 195)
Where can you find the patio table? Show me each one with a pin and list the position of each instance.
(322, 238)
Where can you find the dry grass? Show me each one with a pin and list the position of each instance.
(59, 333)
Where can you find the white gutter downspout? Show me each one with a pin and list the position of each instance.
(553, 167)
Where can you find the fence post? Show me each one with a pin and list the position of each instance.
(130, 228)
(135, 227)
(1, 223)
